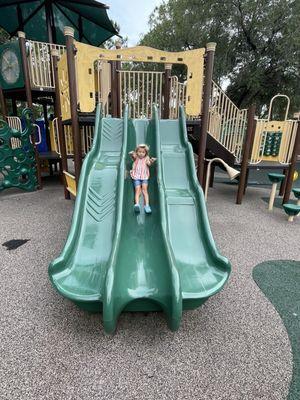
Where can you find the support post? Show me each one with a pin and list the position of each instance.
(272, 196)
(61, 136)
(45, 112)
(167, 89)
(3, 103)
(14, 107)
(69, 34)
(118, 68)
(246, 153)
(292, 167)
(22, 44)
(114, 89)
(283, 183)
(209, 63)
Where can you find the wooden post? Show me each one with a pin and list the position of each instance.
(3, 103)
(209, 63)
(61, 136)
(14, 107)
(212, 175)
(167, 89)
(292, 167)
(45, 112)
(246, 153)
(117, 94)
(114, 89)
(69, 34)
(22, 44)
(283, 183)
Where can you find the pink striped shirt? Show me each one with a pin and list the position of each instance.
(140, 169)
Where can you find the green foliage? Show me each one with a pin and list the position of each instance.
(112, 42)
(4, 36)
(258, 43)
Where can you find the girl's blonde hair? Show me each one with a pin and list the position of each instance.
(142, 146)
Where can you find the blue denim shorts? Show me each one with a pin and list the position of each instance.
(139, 182)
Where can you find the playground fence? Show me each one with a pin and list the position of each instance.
(140, 90)
(227, 123)
(87, 134)
(40, 63)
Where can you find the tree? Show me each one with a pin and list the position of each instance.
(258, 43)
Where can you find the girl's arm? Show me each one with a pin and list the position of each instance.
(150, 160)
(132, 155)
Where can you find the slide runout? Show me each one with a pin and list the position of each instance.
(79, 272)
(202, 270)
(141, 275)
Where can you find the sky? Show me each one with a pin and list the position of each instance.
(132, 16)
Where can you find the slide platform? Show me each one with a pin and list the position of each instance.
(115, 260)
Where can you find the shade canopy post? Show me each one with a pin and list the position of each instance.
(69, 35)
(209, 65)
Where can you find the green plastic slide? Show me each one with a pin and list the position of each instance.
(115, 260)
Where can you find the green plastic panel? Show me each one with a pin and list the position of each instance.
(115, 260)
(272, 143)
(17, 156)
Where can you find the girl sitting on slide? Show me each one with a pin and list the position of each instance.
(140, 175)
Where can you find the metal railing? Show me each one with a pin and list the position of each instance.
(227, 123)
(87, 135)
(177, 96)
(140, 90)
(40, 63)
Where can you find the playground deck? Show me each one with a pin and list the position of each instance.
(234, 347)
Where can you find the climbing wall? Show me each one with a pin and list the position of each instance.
(17, 156)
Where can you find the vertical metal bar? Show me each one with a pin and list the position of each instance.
(167, 75)
(143, 94)
(160, 96)
(147, 94)
(133, 93)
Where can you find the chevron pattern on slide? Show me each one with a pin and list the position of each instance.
(100, 206)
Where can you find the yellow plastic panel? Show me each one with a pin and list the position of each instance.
(64, 87)
(71, 183)
(272, 126)
(86, 56)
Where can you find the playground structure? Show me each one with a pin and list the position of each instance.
(78, 76)
(269, 144)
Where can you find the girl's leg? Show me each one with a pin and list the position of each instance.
(145, 193)
(137, 194)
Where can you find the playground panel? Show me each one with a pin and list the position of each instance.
(87, 55)
(17, 156)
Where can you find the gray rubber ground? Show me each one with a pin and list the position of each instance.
(234, 347)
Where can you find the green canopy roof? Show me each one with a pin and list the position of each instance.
(44, 20)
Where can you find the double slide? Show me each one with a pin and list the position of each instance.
(115, 260)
